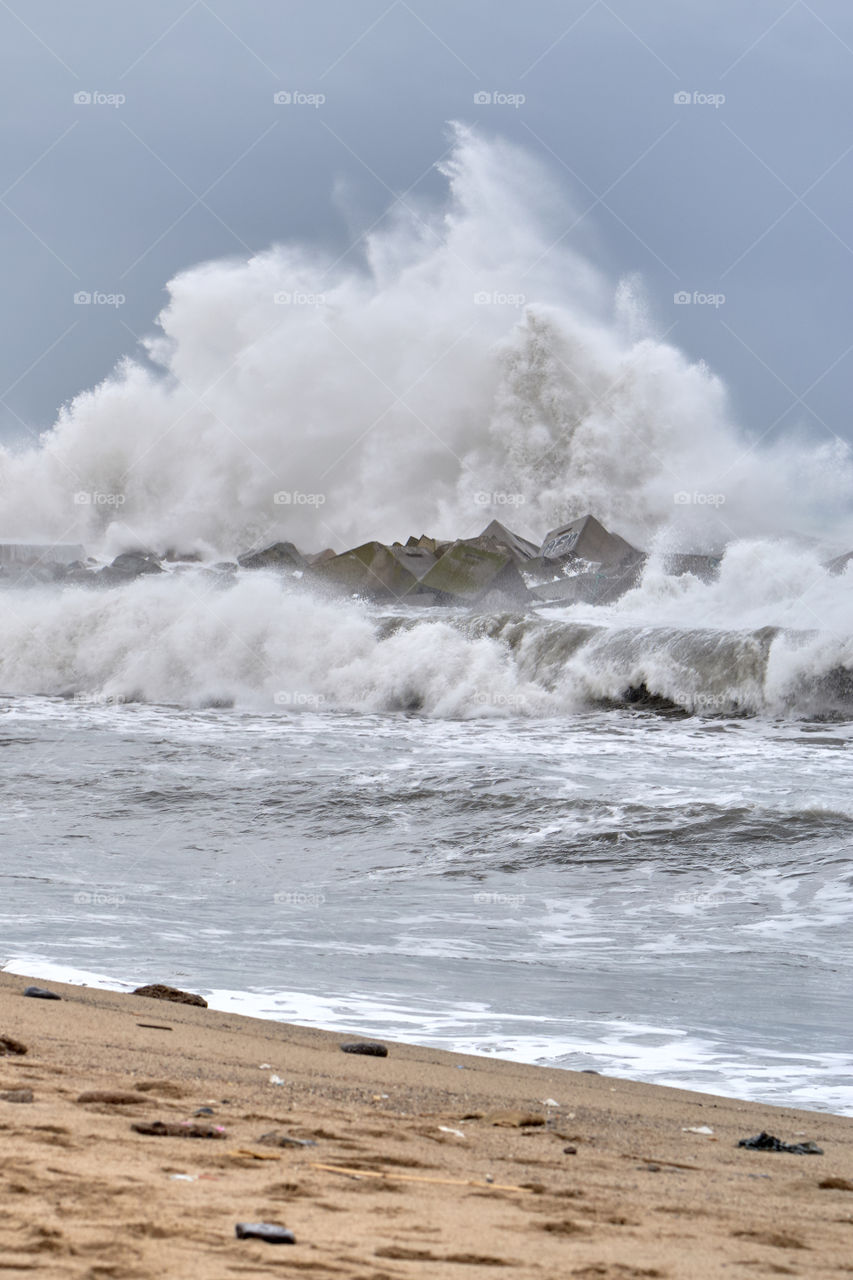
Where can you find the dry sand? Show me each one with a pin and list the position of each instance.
(85, 1195)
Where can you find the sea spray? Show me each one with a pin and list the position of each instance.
(470, 363)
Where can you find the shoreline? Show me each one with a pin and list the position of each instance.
(420, 1158)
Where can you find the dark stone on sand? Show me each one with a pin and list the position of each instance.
(41, 993)
(835, 1184)
(268, 1231)
(113, 1096)
(8, 1046)
(204, 1111)
(766, 1142)
(570, 1151)
(158, 991)
(276, 1139)
(369, 1048)
(590, 1071)
(17, 1095)
(162, 1129)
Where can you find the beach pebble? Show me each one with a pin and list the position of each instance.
(268, 1231)
(17, 1095)
(204, 1111)
(164, 1129)
(115, 1097)
(8, 1045)
(570, 1151)
(276, 1080)
(159, 991)
(766, 1142)
(276, 1139)
(41, 993)
(836, 1184)
(369, 1048)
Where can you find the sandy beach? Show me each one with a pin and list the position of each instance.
(420, 1158)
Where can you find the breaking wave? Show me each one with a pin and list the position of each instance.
(263, 646)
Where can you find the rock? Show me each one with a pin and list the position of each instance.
(520, 548)
(418, 560)
(157, 991)
(112, 1096)
(426, 543)
(515, 1120)
(41, 993)
(267, 1231)
(582, 563)
(130, 565)
(369, 1048)
(319, 556)
(182, 1129)
(469, 573)
(181, 557)
(10, 1046)
(588, 584)
(276, 1139)
(281, 555)
(166, 1088)
(570, 1151)
(204, 1111)
(587, 539)
(17, 1095)
(766, 1142)
(839, 564)
(836, 1184)
(371, 570)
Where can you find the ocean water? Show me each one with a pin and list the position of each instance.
(446, 829)
(615, 838)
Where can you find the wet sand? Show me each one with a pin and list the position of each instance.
(422, 1165)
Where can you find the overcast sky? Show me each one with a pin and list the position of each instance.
(747, 197)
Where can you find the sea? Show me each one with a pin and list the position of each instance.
(609, 837)
(456, 829)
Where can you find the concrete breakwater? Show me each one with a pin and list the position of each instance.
(578, 562)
